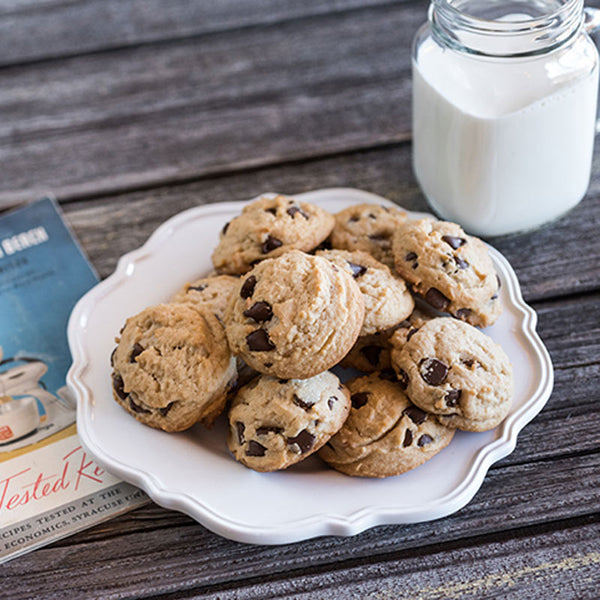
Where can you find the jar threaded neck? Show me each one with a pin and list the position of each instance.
(491, 29)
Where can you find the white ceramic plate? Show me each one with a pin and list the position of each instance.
(193, 471)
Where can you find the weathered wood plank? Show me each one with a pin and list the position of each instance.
(136, 117)
(563, 565)
(121, 565)
(548, 262)
(46, 29)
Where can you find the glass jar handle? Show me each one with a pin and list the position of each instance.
(591, 24)
(591, 19)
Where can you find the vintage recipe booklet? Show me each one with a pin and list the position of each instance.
(49, 486)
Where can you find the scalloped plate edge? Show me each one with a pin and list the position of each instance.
(322, 523)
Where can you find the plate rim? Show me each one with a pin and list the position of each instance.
(317, 524)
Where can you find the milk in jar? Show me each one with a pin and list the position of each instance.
(503, 131)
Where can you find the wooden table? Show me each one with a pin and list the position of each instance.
(130, 111)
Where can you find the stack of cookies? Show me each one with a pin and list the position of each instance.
(297, 292)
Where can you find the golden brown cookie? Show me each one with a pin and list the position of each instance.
(210, 292)
(294, 316)
(453, 370)
(385, 434)
(367, 227)
(450, 270)
(172, 367)
(275, 423)
(268, 228)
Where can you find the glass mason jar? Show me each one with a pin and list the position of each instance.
(504, 110)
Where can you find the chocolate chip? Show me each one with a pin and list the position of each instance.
(198, 288)
(424, 440)
(460, 263)
(259, 341)
(452, 397)
(402, 378)
(248, 287)
(437, 299)
(137, 350)
(225, 228)
(119, 386)
(269, 429)
(270, 244)
(273, 210)
(304, 440)
(240, 428)
(408, 438)
(301, 403)
(415, 265)
(357, 270)
(136, 407)
(164, 411)
(411, 333)
(332, 400)
(353, 219)
(454, 242)
(410, 256)
(415, 414)
(380, 237)
(372, 354)
(268, 365)
(359, 399)
(462, 313)
(388, 374)
(259, 312)
(255, 449)
(292, 210)
(372, 216)
(468, 362)
(433, 371)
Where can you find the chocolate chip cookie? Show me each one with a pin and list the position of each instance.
(385, 434)
(387, 299)
(367, 227)
(172, 367)
(294, 316)
(210, 292)
(449, 269)
(453, 370)
(275, 423)
(268, 228)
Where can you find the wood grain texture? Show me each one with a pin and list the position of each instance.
(48, 29)
(137, 117)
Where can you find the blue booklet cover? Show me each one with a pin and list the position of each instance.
(49, 486)
(43, 273)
